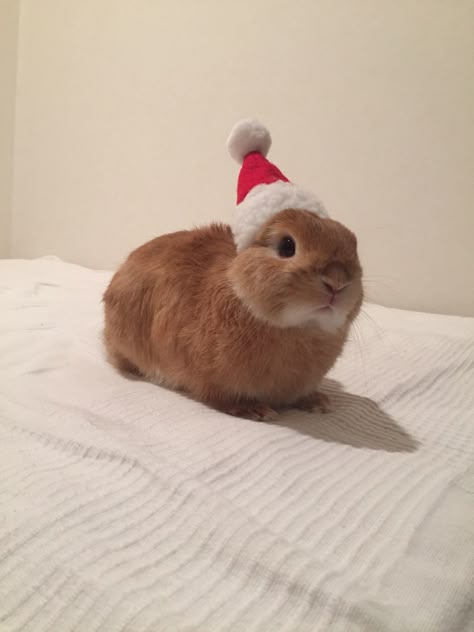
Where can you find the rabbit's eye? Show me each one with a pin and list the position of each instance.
(286, 247)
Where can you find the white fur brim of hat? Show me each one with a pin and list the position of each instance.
(264, 200)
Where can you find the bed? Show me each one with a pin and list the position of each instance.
(125, 507)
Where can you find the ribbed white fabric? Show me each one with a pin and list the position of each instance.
(128, 508)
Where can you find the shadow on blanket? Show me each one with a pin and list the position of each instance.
(356, 421)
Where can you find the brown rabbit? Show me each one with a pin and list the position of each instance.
(244, 329)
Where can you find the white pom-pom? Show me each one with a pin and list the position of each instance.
(246, 136)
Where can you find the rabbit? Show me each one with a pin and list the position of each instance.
(248, 331)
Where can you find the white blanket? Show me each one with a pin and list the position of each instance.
(128, 508)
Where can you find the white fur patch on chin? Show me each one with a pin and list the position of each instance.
(301, 315)
(329, 320)
(296, 315)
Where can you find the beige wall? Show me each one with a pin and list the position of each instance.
(9, 10)
(124, 107)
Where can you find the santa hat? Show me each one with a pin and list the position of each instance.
(262, 189)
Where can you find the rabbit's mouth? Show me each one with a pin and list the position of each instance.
(329, 317)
